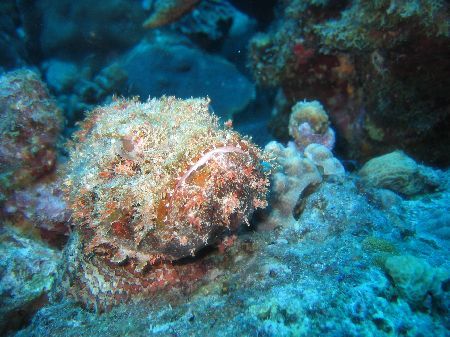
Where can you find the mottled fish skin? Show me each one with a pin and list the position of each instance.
(149, 184)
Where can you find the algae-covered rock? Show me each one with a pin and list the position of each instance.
(27, 271)
(306, 278)
(41, 212)
(326, 50)
(61, 75)
(378, 245)
(30, 123)
(398, 172)
(414, 278)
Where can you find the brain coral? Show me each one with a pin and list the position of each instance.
(149, 184)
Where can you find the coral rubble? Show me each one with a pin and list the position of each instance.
(149, 184)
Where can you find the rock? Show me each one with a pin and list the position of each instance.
(164, 68)
(212, 23)
(235, 44)
(60, 75)
(218, 25)
(27, 270)
(82, 27)
(398, 172)
(12, 42)
(428, 217)
(314, 277)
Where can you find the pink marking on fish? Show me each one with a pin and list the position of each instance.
(205, 158)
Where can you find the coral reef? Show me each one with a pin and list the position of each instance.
(156, 220)
(302, 165)
(14, 52)
(167, 11)
(149, 184)
(60, 75)
(81, 88)
(216, 25)
(374, 65)
(289, 179)
(399, 20)
(318, 275)
(322, 157)
(30, 123)
(399, 173)
(429, 220)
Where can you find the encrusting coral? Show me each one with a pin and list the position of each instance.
(149, 184)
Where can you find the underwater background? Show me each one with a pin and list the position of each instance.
(224, 168)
